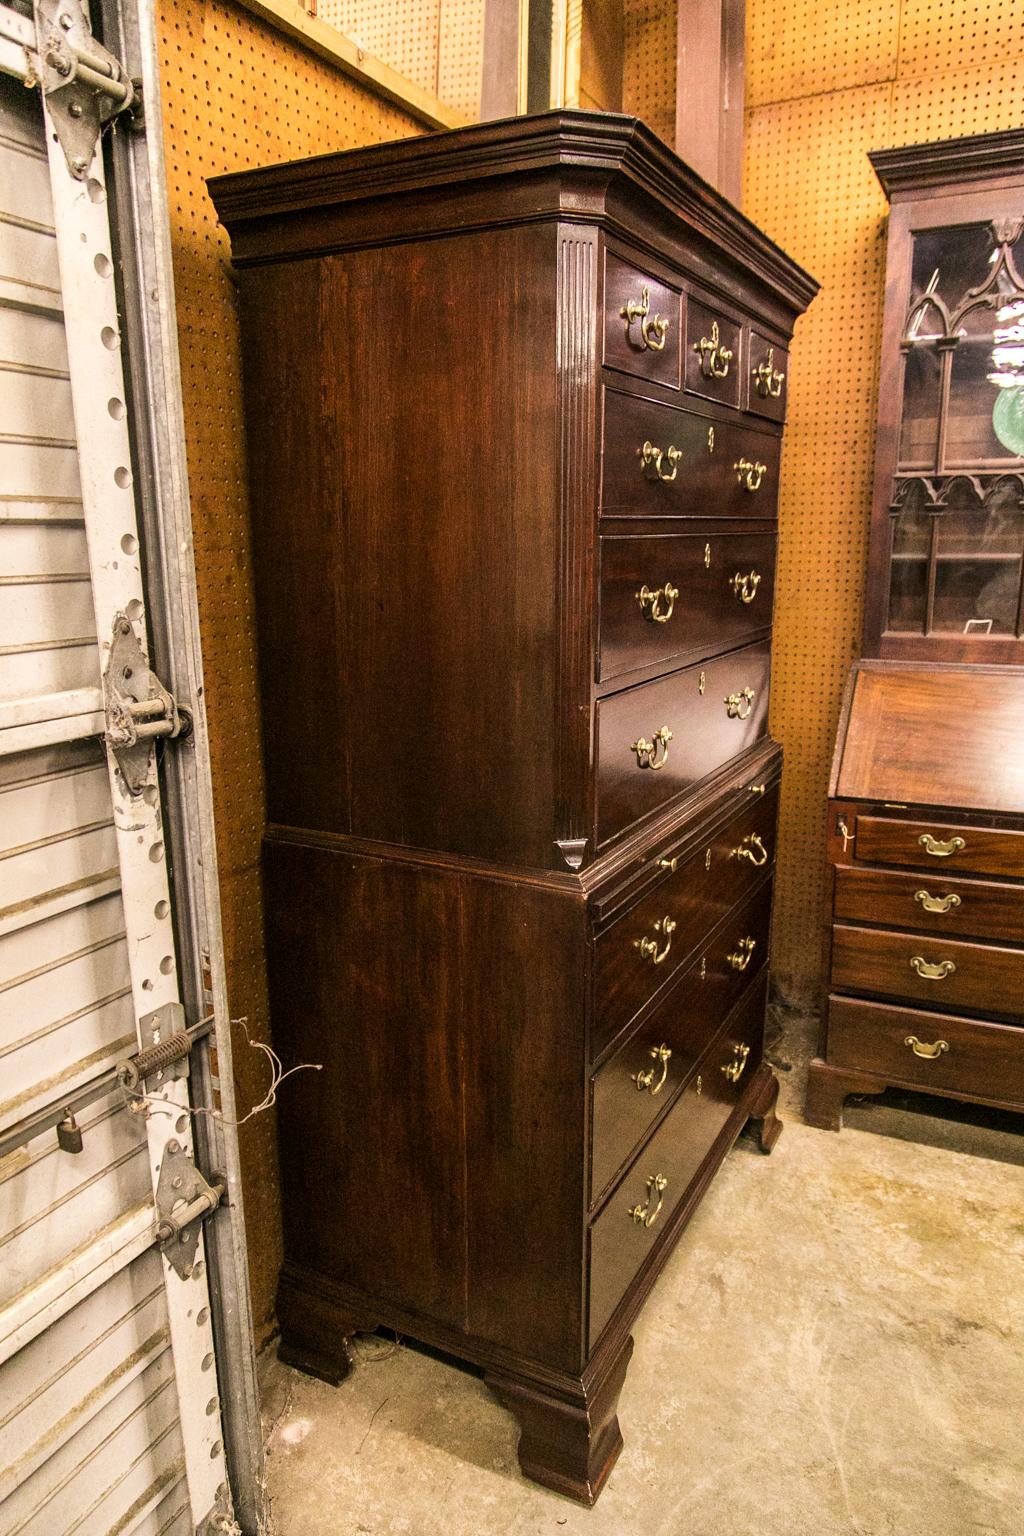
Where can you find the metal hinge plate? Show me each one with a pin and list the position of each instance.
(139, 708)
(85, 86)
(184, 1199)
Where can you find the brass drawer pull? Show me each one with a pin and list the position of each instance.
(642, 1214)
(767, 378)
(647, 751)
(750, 473)
(670, 864)
(753, 849)
(940, 849)
(645, 1080)
(651, 602)
(651, 461)
(664, 928)
(735, 1069)
(739, 705)
(714, 358)
(745, 587)
(932, 971)
(926, 1052)
(937, 903)
(743, 954)
(653, 328)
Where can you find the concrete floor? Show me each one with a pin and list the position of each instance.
(835, 1347)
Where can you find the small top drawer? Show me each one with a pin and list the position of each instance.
(937, 844)
(767, 369)
(641, 323)
(712, 358)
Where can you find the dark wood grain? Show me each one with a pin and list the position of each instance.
(987, 977)
(624, 346)
(982, 908)
(898, 840)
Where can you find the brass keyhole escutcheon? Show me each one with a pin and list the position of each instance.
(653, 328)
(658, 604)
(707, 557)
(647, 751)
(645, 1081)
(711, 439)
(643, 1215)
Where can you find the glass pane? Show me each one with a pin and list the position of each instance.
(978, 564)
(973, 392)
(908, 583)
(919, 430)
(948, 262)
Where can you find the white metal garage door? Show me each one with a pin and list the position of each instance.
(111, 1411)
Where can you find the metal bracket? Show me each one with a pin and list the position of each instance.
(165, 1058)
(183, 1200)
(85, 86)
(139, 709)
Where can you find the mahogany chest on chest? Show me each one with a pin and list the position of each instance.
(515, 399)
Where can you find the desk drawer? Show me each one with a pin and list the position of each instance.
(639, 1212)
(931, 903)
(940, 845)
(663, 461)
(713, 359)
(642, 323)
(931, 1050)
(661, 737)
(937, 971)
(767, 381)
(669, 595)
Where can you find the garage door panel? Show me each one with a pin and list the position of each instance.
(38, 469)
(49, 804)
(35, 669)
(36, 340)
(47, 551)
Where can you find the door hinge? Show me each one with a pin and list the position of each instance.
(184, 1198)
(138, 707)
(85, 86)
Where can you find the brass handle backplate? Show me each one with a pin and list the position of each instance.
(714, 358)
(745, 587)
(767, 378)
(652, 461)
(656, 949)
(662, 1055)
(647, 751)
(937, 903)
(753, 849)
(932, 970)
(653, 328)
(734, 1069)
(939, 848)
(642, 1214)
(739, 705)
(928, 1052)
(743, 954)
(657, 605)
(750, 473)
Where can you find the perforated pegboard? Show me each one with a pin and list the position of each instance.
(238, 94)
(649, 64)
(401, 34)
(879, 73)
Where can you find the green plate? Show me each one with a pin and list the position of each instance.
(1008, 419)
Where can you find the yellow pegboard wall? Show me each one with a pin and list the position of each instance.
(237, 94)
(649, 64)
(882, 72)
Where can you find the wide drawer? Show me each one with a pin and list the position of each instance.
(932, 903)
(642, 323)
(664, 461)
(665, 596)
(662, 737)
(639, 1212)
(767, 369)
(636, 958)
(930, 1050)
(940, 845)
(936, 971)
(713, 360)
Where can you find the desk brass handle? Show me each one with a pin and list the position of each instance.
(745, 587)
(750, 473)
(654, 949)
(652, 461)
(932, 970)
(670, 864)
(714, 358)
(647, 751)
(752, 849)
(739, 705)
(925, 1051)
(642, 1214)
(653, 328)
(735, 1069)
(661, 1054)
(657, 605)
(767, 378)
(937, 903)
(743, 954)
(940, 849)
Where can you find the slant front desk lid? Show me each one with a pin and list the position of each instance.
(926, 734)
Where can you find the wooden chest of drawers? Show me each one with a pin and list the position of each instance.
(515, 399)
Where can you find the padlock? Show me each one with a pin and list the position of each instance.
(69, 1134)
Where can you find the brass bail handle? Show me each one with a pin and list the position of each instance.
(656, 949)
(930, 970)
(714, 358)
(739, 705)
(767, 378)
(653, 328)
(662, 1055)
(928, 1051)
(657, 605)
(743, 954)
(734, 1069)
(753, 850)
(745, 587)
(937, 903)
(940, 848)
(647, 751)
(652, 461)
(642, 1214)
(750, 473)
